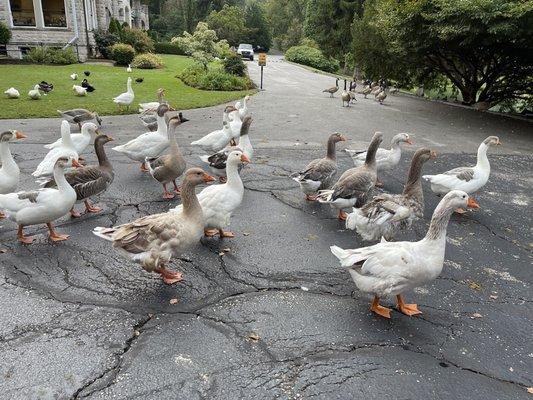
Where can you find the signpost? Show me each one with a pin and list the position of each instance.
(262, 62)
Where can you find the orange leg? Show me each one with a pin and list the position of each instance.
(143, 167)
(379, 310)
(166, 193)
(225, 234)
(169, 277)
(22, 238)
(91, 209)
(56, 237)
(407, 309)
(342, 215)
(177, 189)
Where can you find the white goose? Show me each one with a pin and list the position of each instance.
(220, 201)
(391, 268)
(79, 140)
(126, 98)
(152, 105)
(65, 149)
(216, 140)
(385, 159)
(41, 206)
(35, 94)
(129, 70)
(74, 76)
(12, 93)
(79, 90)
(243, 107)
(149, 144)
(468, 179)
(231, 115)
(9, 170)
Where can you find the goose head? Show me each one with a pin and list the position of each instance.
(64, 162)
(97, 118)
(492, 141)
(401, 138)
(458, 199)
(337, 137)
(197, 176)
(103, 139)
(236, 157)
(90, 128)
(162, 109)
(10, 135)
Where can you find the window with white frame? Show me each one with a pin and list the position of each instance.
(22, 12)
(54, 13)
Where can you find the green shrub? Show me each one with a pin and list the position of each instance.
(214, 78)
(47, 55)
(139, 40)
(5, 33)
(147, 61)
(104, 40)
(168, 48)
(114, 26)
(234, 65)
(122, 53)
(312, 57)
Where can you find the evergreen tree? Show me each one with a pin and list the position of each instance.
(257, 23)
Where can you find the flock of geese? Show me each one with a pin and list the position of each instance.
(387, 268)
(378, 89)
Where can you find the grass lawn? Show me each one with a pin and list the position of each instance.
(109, 82)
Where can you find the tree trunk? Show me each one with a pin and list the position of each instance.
(469, 93)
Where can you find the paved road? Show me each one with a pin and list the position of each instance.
(276, 317)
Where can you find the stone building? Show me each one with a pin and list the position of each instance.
(58, 23)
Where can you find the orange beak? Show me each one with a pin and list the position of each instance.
(433, 154)
(409, 141)
(20, 135)
(76, 164)
(244, 159)
(208, 178)
(472, 203)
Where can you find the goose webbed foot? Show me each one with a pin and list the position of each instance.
(166, 194)
(342, 215)
(54, 236)
(22, 238)
(143, 167)
(169, 277)
(91, 208)
(210, 232)
(74, 213)
(225, 234)
(177, 189)
(378, 309)
(407, 309)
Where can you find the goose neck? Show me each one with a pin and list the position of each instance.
(191, 205)
(6, 158)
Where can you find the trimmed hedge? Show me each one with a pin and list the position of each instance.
(5, 33)
(147, 61)
(139, 40)
(121, 53)
(48, 55)
(168, 48)
(214, 78)
(312, 57)
(234, 65)
(104, 40)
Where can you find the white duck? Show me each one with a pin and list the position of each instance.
(220, 201)
(468, 179)
(9, 170)
(79, 90)
(217, 161)
(41, 206)
(391, 268)
(12, 93)
(35, 94)
(126, 98)
(149, 144)
(231, 115)
(79, 140)
(385, 159)
(129, 70)
(153, 240)
(152, 105)
(74, 76)
(243, 107)
(216, 140)
(65, 149)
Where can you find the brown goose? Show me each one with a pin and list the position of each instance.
(319, 173)
(79, 115)
(169, 167)
(153, 240)
(332, 90)
(345, 96)
(91, 180)
(388, 213)
(354, 184)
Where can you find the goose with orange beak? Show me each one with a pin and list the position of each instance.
(220, 201)
(468, 179)
(153, 240)
(9, 170)
(42, 206)
(392, 268)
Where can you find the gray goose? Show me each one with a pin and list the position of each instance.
(388, 213)
(169, 167)
(354, 184)
(345, 96)
(79, 115)
(91, 180)
(332, 90)
(319, 173)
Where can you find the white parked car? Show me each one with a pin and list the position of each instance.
(246, 51)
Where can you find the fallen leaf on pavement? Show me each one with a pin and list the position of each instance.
(226, 250)
(474, 285)
(530, 390)
(246, 233)
(476, 315)
(492, 296)
(253, 336)
(173, 301)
